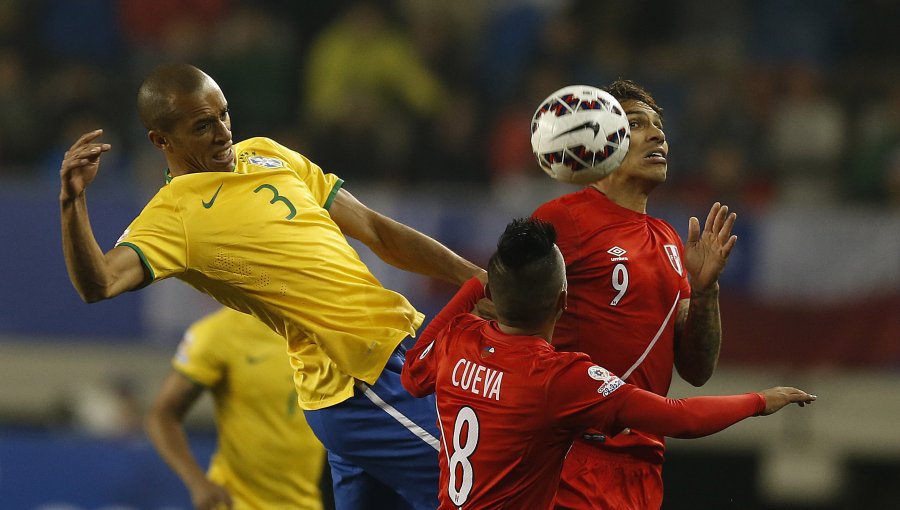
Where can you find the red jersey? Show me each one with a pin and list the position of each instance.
(626, 278)
(509, 408)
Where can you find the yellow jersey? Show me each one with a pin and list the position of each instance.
(267, 456)
(260, 240)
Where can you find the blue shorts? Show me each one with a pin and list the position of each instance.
(382, 445)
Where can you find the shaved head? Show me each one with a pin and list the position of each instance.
(159, 89)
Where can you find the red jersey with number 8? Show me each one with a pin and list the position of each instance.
(510, 406)
(509, 409)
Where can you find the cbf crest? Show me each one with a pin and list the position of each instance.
(674, 258)
(265, 162)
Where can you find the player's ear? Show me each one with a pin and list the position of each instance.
(561, 302)
(157, 139)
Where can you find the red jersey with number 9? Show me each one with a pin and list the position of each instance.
(626, 276)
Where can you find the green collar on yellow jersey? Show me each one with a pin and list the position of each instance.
(169, 175)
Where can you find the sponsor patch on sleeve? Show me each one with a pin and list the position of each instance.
(608, 382)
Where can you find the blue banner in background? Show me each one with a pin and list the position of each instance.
(36, 298)
(40, 470)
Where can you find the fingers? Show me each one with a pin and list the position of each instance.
(84, 142)
(86, 153)
(725, 229)
(693, 230)
(720, 223)
(801, 397)
(87, 137)
(795, 396)
(711, 217)
(729, 245)
(720, 219)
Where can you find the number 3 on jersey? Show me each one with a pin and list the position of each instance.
(276, 197)
(619, 282)
(461, 473)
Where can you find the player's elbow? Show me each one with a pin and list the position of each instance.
(412, 388)
(698, 380)
(95, 293)
(152, 423)
(92, 297)
(695, 375)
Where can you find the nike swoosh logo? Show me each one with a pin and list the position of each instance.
(595, 126)
(207, 205)
(252, 360)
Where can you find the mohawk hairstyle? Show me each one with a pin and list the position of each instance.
(525, 240)
(526, 273)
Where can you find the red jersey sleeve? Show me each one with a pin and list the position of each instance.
(581, 393)
(685, 418)
(585, 395)
(420, 369)
(562, 220)
(463, 302)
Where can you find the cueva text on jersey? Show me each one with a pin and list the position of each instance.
(476, 378)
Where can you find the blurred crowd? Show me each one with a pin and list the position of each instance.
(766, 101)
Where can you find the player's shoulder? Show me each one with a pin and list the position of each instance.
(467, 321)
(662, 225)
(262, 151)
(459, 327)
(257, 142)
(563, 359)
(577, 367)
(567, 201)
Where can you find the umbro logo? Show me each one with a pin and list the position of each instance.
(617, 253)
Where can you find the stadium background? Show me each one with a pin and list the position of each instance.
(788, 111)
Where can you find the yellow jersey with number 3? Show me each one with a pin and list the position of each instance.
(260, 240)
(267, 457)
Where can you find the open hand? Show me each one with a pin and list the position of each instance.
(80, 164)
(706, 252)
(780, 396)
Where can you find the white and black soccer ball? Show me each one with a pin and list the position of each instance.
(580, 134)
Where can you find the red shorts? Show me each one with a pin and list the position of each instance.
(593, 478)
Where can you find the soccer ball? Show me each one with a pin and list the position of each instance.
(579, 134)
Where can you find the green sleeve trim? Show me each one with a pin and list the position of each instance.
(333, 194)
(146, 264)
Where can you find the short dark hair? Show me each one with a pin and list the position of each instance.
(526, 273)
(159, 88)
(627, 90)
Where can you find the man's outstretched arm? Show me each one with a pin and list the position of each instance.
(95, 275)
(399, 245)
(701, 416)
